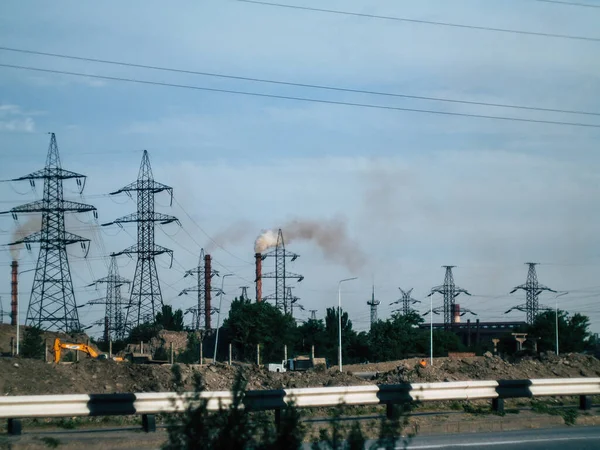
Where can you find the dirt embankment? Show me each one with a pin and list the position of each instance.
(26, 377)
(19, 376)
(483, 368)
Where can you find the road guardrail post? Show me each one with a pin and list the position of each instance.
(585, 402)
(278, 419)
(14, 427)
(498, 405)
(149, 423)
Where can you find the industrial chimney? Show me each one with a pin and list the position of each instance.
(14, 292)
(258, 280)
(207, 290)
(456, 313)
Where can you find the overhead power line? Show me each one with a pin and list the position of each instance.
(303, 85)
(305, 99)
(585, 5)
(425, 22)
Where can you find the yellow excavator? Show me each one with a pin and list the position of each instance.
(59, 346)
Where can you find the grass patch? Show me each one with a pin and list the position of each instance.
(569, 415)
(50, 442)
(476, 410)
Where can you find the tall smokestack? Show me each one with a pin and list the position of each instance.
(456, 313)
(258, 280)
(207, 289)
(14, 292)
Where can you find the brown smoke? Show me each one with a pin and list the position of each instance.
(330, 236)
(233, 234)
(32, 225)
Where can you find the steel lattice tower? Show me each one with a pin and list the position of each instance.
(406, 301)
(532, 289)
(114, 322)
(373, 304)
(203, 309)
(244, 293)
(280, 275)
(146, 298)
(292, 300)
(52, 303)
(313, 314)
(450, 291)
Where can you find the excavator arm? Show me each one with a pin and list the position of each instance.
(58, 346)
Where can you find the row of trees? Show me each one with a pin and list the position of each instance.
(250, 324)
(398, 337)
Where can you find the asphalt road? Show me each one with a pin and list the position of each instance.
(576, 438)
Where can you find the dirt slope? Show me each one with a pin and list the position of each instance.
(26, 376)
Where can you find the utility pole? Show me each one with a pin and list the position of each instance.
(449, 291)
(52, 304)
(532, 290)
(280, 274)
(406, 301)
(146, 298)
(373, 304)
(204, 274)
(114, 321)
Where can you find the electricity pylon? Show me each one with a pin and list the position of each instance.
(280, 275)
(450, 291)
(114, 322)
(52, 304)
(406, 302)
(146, 298)
(203, 309)
(532, 289)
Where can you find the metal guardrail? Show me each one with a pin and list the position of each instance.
(147, 404)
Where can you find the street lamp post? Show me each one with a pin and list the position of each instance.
(431, 329)
(340, 318)
(221, 294)
(19, 304)
(556, 316)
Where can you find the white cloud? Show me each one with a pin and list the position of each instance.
(14, 119)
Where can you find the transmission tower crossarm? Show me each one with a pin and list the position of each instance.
(135, 217)
(50, 172)
(144, 185)
(136, 249)
(69, 238)
(42, 206)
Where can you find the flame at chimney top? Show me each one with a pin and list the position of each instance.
(14, 292)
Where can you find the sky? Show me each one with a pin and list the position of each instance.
(411, 191)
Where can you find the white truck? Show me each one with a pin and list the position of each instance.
(273, 367)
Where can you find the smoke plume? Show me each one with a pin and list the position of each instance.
(330, 236)
(32, 225)
(233, 234)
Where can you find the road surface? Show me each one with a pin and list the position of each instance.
(573, 438)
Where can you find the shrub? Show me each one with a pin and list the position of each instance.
(33, 344)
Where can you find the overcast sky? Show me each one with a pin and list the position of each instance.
(414, 191)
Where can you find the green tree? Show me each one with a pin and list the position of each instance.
(143, 332)
(33, 343)
(395, 338)
(169, 319)
(573, 331)
(250, 324)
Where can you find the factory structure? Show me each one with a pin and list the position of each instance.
(52, 304)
